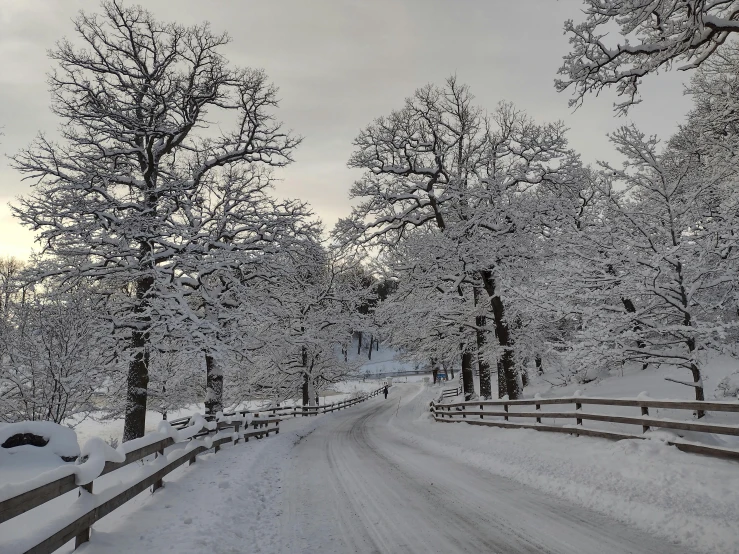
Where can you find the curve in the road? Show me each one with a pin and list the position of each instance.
(353, 485)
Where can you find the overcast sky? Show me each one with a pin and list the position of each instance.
(339, 64)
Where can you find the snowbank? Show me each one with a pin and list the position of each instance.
(645, 483)
(61, 440)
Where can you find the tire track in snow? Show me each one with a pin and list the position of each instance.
(355, 486)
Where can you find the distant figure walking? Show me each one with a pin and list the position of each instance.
(385, 391)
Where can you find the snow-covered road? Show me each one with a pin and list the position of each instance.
(354, 485)
(382, 477)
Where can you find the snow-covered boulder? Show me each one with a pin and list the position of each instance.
(51, 437)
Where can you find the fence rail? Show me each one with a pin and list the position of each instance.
(449, 393)
(475, 412)
(105, 502)
(295, 411)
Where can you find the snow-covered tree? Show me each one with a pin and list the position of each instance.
(441, 162)
(656, 35)
(312, 310)
(142, 104)
(58, 355)
(667, 248)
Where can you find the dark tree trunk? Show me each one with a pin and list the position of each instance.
(435, 372)
(539, 368)
(486, 388)
(451, 371)
(467, 382)
(369, 352)
(698, 390)
(502, 332)
(304, 361)
(696, 372)
(359, 343)
(134, 424)
(213, 386)
(306, 397)
(502, 387)
(630, 308)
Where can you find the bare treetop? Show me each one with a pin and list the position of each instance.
(662, 32)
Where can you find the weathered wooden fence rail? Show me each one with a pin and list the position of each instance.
(106, 501)
(474, 412)
(449, 393)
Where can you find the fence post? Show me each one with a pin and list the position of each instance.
(578, 407)
(463, 414)
(505, 408)
(158, 484)
(538, 409)
(84, 535)
(644, 412)
(236, 430)
(481, 409)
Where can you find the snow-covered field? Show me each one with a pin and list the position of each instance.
(383, 477)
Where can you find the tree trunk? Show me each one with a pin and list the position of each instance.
(696, 372)
(369, 352)
(213, 386)
(502, 332)
(359, 343)
(630, 308)
(435, 372)
(306, 395)
(539, 368)
(698, 389)
(486, 388)
(134, 424)
(502, 387)
(467, 382)
(304, 361)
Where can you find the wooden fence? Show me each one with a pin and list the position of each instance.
(449, 393)
(104, 504)
(295, 411)
(475, 412)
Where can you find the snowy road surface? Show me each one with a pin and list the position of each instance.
(360, 481)
(353, 485)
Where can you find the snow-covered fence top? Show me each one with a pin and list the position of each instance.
(696, 437)
(98, 459)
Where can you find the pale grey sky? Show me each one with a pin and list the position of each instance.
(339, 64)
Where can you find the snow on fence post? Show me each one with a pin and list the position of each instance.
(159, 483)
(236, 430)
(644, 412)
(84, 535)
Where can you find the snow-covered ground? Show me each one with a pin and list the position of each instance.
(631, 383)
(383, 477)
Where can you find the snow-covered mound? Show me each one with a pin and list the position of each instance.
(59, 440)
